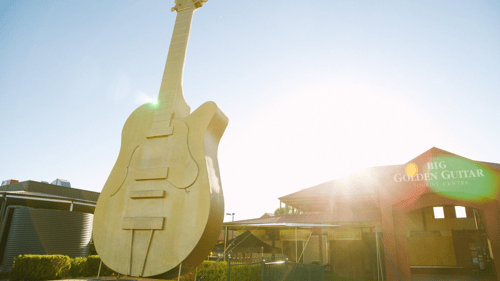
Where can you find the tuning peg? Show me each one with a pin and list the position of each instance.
(199, 3)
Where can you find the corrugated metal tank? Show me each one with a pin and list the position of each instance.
(45, 232)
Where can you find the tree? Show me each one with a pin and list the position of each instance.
(283, 211)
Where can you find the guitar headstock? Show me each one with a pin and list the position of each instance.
(181, 5)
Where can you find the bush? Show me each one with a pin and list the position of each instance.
(46, 267)
(77, 267)
(216, 273)
(92, 267)
(40, 267)
(212, 271)
(246, 272)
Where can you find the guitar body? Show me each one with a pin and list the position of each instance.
(162, 204)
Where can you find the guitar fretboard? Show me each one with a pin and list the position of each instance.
(171, 102)
(171, 84)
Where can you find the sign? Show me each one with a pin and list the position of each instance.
(438, 171)
(453, 177)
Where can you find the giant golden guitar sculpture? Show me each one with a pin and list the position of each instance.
(162, 207)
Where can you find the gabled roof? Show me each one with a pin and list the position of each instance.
(360, 188)
(351, 200)
(247, 241)
(493, 165)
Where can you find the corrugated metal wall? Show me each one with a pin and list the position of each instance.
(41, 231)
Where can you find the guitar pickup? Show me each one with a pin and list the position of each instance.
(147, 194)
(160, 132)
(142, 223)
(151, 174)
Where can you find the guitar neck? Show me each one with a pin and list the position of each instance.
(171, 100)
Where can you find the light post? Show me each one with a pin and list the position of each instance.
(232, 219)
(225, 241)
(232, 216)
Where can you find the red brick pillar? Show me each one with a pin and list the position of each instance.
(402, 254)
(396, 243)
(389, 244)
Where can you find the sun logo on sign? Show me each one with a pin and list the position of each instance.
(412, 169)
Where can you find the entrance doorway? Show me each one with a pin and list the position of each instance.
(448, 240)
(354, 257)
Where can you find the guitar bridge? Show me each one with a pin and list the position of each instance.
(143, 223)
(147, 194)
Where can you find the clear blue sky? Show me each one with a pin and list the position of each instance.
(314, 90)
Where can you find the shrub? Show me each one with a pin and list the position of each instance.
(77, 267)
(92, 267)
(46, 267)
(212, 271)
(246, 272)
(51, 267)
(40, 267)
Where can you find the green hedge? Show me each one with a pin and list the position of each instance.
(92, 267)
(46, 267)
(38, 267)
(211, 272)
(218, 272)
(77, 267)
(246, 272)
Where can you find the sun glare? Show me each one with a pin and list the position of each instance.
(145, 98)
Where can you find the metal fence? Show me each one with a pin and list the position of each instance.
(276, 271)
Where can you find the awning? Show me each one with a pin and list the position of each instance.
(280, 225)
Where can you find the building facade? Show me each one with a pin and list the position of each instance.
(43, 218)
(438, 213)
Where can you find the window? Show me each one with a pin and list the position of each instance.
(438, 212)
(460, 212)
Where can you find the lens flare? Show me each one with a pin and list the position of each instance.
(412, 169)
(462, 179)
(154, 103)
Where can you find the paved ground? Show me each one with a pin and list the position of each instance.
(415, 277)
(428, 277)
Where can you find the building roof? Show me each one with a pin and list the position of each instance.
(352, 200)
(312, 220)
(493, 165)
(30, 194)
(360, 188)
(41, 189)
